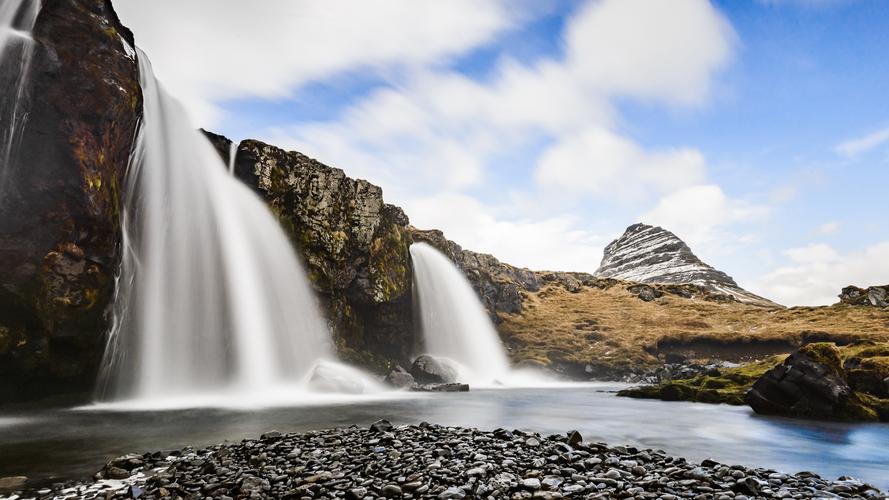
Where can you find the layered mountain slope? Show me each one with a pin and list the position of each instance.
(651, 254)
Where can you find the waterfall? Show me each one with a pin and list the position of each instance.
(232, 157)
(17, 18)
(454, 322)
(211, 296)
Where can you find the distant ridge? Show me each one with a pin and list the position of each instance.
(651, 254)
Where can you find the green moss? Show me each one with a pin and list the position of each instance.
(858, 408)
(825, 353)
(388, 264)
(729, 387)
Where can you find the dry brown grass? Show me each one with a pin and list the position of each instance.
(615, 329)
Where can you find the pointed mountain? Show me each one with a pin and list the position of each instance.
(651, 254)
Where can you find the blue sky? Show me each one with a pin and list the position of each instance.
(758, 131)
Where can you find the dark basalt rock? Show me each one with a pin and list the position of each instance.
(810, 383)
(428, 369)
(61, 199)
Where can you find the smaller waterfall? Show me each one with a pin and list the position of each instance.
(232, 156)
(455, 324)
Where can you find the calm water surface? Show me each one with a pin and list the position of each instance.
(61, 444)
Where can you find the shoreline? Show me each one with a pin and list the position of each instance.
(433, 461)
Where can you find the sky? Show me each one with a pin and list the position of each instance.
(757, 131)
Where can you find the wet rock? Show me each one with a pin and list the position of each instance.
(455, 387)
(574, 438)
(400, 378)
(12, 483)
(810, 383)
(381, 425)
(433, 461)
(60, 199)
(391, 491)
(428, 369)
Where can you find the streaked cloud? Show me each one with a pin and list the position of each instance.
(862, 144)
(207, 51)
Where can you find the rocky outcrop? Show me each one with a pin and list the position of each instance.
(651, 254)
(872, 296)
(61, 199)
(811, 383)
(354, 245)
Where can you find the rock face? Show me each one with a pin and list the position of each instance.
(650, 254)
(873, 296)
(354, 245)
(810, 383)
(61, 199)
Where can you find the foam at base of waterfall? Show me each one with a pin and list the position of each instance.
(280, 394)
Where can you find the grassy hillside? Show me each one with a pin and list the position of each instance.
(610, 331)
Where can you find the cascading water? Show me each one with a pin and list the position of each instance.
(455, 324)
(232, 157)
(17, 18)
(211, 297)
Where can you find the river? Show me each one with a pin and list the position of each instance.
(55, 444)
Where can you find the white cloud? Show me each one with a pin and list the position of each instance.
(554, 243)
(828, 228)
(815, 274)
(600, 162)
(206, 51)
(662, 50)
(857, 145)
(433, 134)
(700, 215)
(442, 130)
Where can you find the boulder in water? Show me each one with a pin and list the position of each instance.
(809, 384)
(431, 370)
(400, 378)
(454, 387)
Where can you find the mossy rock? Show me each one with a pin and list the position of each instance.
(826, 354)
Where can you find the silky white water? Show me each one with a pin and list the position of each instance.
(455, 324)
(211, 298)
(232, 156)
(17, 18)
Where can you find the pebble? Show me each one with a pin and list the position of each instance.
(433, 461)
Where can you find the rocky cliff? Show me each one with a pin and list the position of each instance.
(651, 254)
(60, 200)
